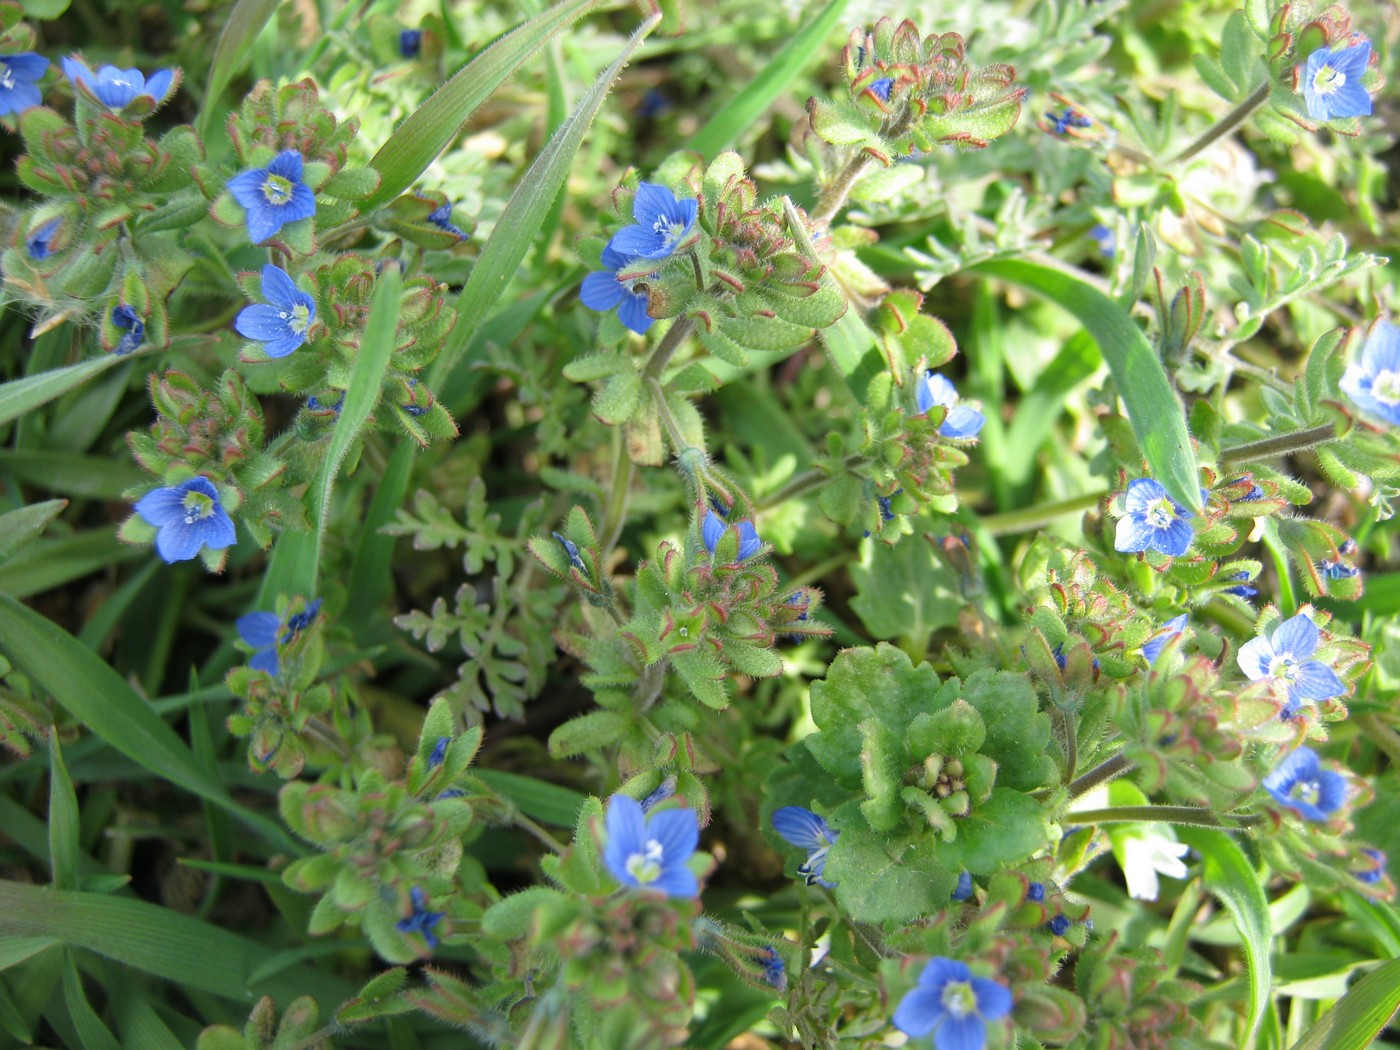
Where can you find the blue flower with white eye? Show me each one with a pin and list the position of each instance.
(18, 77)
(37, 244)
(1152, 521)
(126, 318)
(805, 830)
(650, 851)
(1283, 659)
(1164, 634)
(1300, 783)
(1373, 383)
(1332, 84)
(421, 920)
(441, 217)
(712, 528)
(274, 195)
(952, 1005)
(189, 517)
(605, 290)
(282, 322)
(661, 222)
(117, 88)
(961, 421)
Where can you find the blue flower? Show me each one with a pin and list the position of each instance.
(1376, 872)
(274, 195)
(410, 42)
(664, 790)
(18, 74)
(1373, 383)
(961, 421)
(881, 88)
(117, 88)
(1282, 658)
(1035, 892)
(421, 920)
(774, 971)
(1153, 521)
(126, 318)
(952, 1005)
(1336, 569)
(441, 217)
(963, 890)
(1243, 590)
(886, 510)
(189, 517)
(1070, 118)
(805, 830)
(37, 244)
(712, 528)
(1169, 630)
(314, 404)
(1105, 238)
(439, 751)
(1059, 925)
(570, 549)
(605, 290)
(662, 222)
(1300, 783)
(280, 324)
(649, 850)
(1332, 84)
(264, 631)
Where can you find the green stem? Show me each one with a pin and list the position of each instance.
(1278, 445)
(617, 501)
(520, 820)
(1153, 814)
(1014, 521)
(670, 343)
(668, 421)
(1100, 774)
(799, 484)
(836, 191)
(1228, 123)
(1382, 736)
(1071, 745)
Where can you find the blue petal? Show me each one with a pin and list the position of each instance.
(20, 97)
(638, 241)
(162, 507)
(266, 660)
(1175, 539)
(284, 344)
(632, 312)
(1296, 637)
(626, 830)
(993, 998)
(1381, 352)
(600, 291)
(711, 529)
(920, 1010)
(961, 422)
(27, 65)
(749, 543)
(961, 1033)
(939, 970)
(260, 322)
(117, 87)
(940, 390)
(75, 71)
(216, 531)
(287, 164)
(801, 827)
(160, 85)
(678, 881)
(678, 831)
(653, 201)
(1331, 791)
(179, 541)
(259, 629)
(1302, 764)
(1133, 534)
(1141, 494)
(1255, 657)
(1314, 680)
(246, 187)
(278, 288)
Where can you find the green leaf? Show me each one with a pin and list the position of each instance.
(92, 1033)
(524, 213)
(884, 879)
(1002, 830)
(588, 732)
(904, 592)
(20, 396)
(430, 128)
(245, 22)
(1228, 874)
(158, 941)
(63, 821)
(52, 562)
(1156, 415)
(1358, 1017)
(19, 526)
(84, 685)
(14, 951)
(741, 112)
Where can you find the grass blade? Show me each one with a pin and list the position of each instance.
(245, 22)
(525, 212)
(1229, 875)
(1153, 409)
(63, 821)
(416, 142)
(1357, 1017)
(741, 111)
(19, 526)
(370, 579)
(24, 395)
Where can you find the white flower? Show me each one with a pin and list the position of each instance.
(1144, 856)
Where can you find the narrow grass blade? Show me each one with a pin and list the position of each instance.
(1229, 875)
(92, 1033)
(158, 941)
(14, 951)
(84, 685)
(525, 212)
(63, 821)
(741, 111)
(245, 22)
(1358, 1017)
(24, 395)
(291, 569)
(370, 578)
(19, 526)
(416, 142)
(366, 381)
(1153, 409)
(51, 562)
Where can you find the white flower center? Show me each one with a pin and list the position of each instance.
(277, 190)
(646, 867)
(958, 999)
(7, 78)
(1305, 791)
(670, 231)
(1328, 81)
(197, 506)
(120, 82)
(1385, 388)
(1284, 668)
(298, 318)
(1159, 513)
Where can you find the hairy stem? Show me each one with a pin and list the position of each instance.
(1100, 774)
(1014, 521)
(1228, 123)
(834, 196)
(1154, 814)
(1278, 445)
(617, 501)
(668, 421)
(805, 482)
(670, 343)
